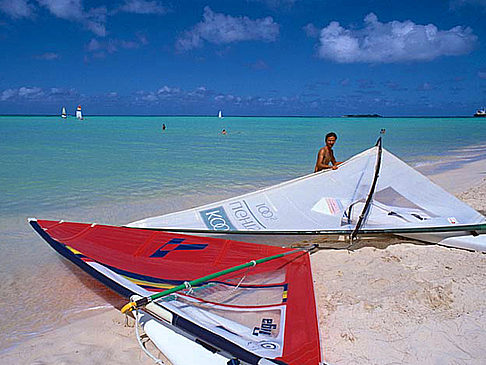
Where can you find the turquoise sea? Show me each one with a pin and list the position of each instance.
(116, 169)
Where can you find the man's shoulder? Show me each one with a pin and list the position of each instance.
(325, 149)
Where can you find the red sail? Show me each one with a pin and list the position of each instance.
(269, 310)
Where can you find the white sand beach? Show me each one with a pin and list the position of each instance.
(401, 302)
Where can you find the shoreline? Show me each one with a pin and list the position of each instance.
(469, 175)
(347, 296)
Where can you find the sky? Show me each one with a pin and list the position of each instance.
(244, 57)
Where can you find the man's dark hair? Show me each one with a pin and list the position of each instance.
(331, 134)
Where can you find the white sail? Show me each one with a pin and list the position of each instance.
(79, 115)
(333, 200)
(63, 113)
(220, 114)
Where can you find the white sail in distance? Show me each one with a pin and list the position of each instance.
(79, 115)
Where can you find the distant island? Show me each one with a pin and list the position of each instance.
(362, 116)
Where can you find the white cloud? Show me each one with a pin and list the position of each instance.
(47, 56)
(177, 96)
(455, 4)
(258, 65)
(24, 92)
(223, 29)
(93, 45)
(30, 92)
(17, 8)
(311, 30)
(392, 42)
(8, 94)
(163, 93)
(110, 45)
(166, 90)
(94, 19)
(345, 82)
(277, 4)
(174, 94)
(99, 48)
(34, 93)
(143, 7)
(426, 86)
(228, 98)
(65, 9)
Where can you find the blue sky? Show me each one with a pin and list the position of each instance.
(246, 57)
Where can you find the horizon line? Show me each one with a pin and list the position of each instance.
(240, 116)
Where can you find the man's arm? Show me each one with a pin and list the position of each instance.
(333, 160)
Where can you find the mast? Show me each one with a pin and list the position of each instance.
(145, 300)
(366, 208)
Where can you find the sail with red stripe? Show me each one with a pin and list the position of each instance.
(264, 314)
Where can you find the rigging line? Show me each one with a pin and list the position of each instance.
(233, 291)
(366, 207)
(304, 249)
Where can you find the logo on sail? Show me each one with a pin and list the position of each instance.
(265, 328)
(217, 219)
(176, 244)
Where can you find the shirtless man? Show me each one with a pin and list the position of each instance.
(325, 157)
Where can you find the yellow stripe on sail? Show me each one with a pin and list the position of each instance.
(148, 283)
(135, 281)
(76, 252)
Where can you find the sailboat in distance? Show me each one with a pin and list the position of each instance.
(220, 114)
(79, 115)
(63, 113)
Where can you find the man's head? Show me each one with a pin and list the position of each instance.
(330, 139)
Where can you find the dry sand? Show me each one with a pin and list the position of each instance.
(406, 304)
(402, 303)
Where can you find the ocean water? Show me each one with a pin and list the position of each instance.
(112, 169)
